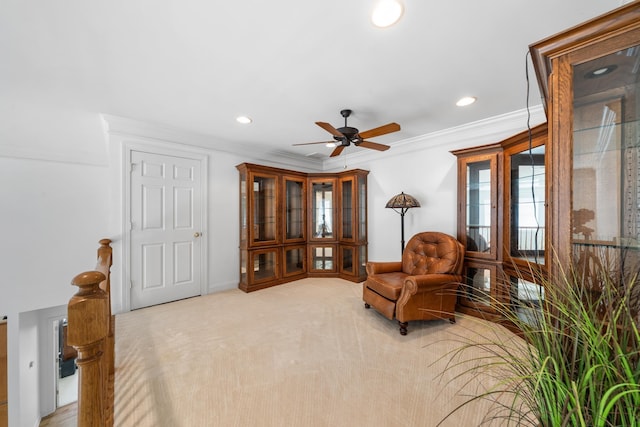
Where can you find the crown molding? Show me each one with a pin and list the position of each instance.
(485, 131)
(127, 128)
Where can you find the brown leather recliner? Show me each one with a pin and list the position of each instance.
(423, 286)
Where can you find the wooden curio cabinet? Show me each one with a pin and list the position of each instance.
(272, 226)
(589, 77)
(295, 225)
(501, 221)
(479, 176)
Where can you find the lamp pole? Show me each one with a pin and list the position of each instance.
(401, 203)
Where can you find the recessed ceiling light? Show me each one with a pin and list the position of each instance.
(387, 13)
(467, 100)
(244, 120)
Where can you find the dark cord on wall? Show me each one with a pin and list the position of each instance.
(533, 193)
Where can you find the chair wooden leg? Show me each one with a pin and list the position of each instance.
(366, 305)
(403, 327)
(452, 320)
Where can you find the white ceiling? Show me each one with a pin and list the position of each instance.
(195, 65)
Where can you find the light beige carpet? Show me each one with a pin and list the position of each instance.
(306, 353)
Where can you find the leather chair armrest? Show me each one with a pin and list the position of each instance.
(429, 282)
(383, 267)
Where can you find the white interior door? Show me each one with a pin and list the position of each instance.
(166, 225)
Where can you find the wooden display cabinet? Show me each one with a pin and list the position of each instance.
(590, 81)
(501, 219)
(479, 193)
(272, 221)
(294, 225)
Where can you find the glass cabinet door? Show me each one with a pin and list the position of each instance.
(362, 209)
(526, 299)
(606, 162)
(481, 290)
(347, 203)
(480, 210)
(347, 261)
(244, 213)
(322, 213)
(264, 209)
(263, 265)
(525, 201)
(294, 260)
(322, 258)
(295, 211)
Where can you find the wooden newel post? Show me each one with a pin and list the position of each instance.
(88, 320)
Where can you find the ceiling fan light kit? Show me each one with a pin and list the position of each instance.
(347, 135)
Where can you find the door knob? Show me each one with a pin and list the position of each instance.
(196, 234)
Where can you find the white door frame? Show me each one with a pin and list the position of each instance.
(166, 150)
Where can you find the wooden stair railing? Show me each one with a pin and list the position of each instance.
(91, 330)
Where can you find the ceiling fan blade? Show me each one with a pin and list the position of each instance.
(382, 130)
(338, 150)
(333, 131)
(373, 145)
(311, 143)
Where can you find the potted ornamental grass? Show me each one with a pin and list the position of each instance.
(574, 360)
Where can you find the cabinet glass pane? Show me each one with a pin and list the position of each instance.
(243, 266)
(294, 260)
(362, 206)
(478, 286)
(347, 260)
(347, 203)
(294, 210)
(322, 258)
(264, 265)
(362, 261)
(322, 209)
(243, 210)
(606, 164)
(526, 299)
(528, 205)
(479, 206)
(264, 208)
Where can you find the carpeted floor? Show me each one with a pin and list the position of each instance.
(306, 353)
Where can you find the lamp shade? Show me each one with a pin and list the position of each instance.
(402, 201)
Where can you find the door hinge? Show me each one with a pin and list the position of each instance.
(130, 284)
(132, 167)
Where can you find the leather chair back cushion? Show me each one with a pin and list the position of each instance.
(432, 252)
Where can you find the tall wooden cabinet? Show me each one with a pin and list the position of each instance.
(589, 76)
(295, 224)
(501, 221)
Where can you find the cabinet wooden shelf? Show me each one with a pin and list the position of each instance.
(295, 225)
(501, 220)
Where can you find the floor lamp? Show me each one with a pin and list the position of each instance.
(401, 203)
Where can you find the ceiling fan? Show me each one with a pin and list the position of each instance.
(347, 135)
